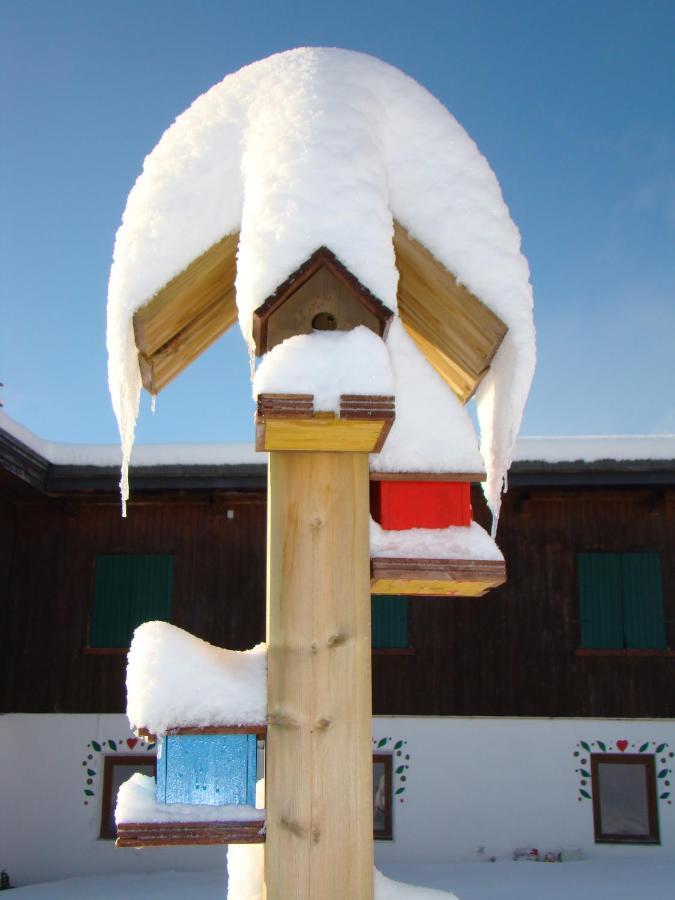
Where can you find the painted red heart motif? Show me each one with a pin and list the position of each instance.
(131, 742)
(622, 745)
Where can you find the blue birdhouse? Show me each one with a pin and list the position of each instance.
(207, 768)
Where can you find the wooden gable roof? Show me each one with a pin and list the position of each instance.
(455, 331)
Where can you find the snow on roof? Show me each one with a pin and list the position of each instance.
(315, 147)
(583, 449)
(175, 679)
(65, 454)
(596, 448)
(424, 406)
(454, 542)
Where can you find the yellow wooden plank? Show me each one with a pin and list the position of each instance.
(420, 587)
(319, 843)
(320, 434)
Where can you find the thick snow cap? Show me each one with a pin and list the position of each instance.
(324, 147)
(175, 679)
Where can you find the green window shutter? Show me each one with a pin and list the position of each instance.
(644, 627)
(129, 590)
(600, 600)
(389, 617)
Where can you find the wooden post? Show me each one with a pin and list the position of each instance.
(319, 796)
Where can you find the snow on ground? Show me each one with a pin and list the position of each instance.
(619, 879)
(174, 679)
(323, 146)
(454, 542)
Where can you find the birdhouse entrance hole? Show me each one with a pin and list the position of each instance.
(322, 295)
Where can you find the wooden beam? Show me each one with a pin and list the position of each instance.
(457, 333)
(289, 422)
(319, 770)
(427, 476)
(187, 315)
(166, 834)
(435, 577)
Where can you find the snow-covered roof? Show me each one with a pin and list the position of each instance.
(175, 680)
(326, 147)
(548, 450)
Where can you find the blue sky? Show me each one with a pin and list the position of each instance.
(573, 104)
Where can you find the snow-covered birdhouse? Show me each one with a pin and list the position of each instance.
(322, 295)
(205, 707)
(424, 541)
(423, 537)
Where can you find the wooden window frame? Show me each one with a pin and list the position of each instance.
(386, 833)
(110, 763)
(647, 762)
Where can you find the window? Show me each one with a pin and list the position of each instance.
(129, 590)
(620, 601)
(382, 797)
(624, 798)
(389, 622)
(118, 769)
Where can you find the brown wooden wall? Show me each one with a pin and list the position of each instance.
(219, 590)
(509, 653)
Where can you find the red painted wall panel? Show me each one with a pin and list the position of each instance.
(397, 505)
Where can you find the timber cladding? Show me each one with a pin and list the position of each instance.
(512, 652)
(218, 588)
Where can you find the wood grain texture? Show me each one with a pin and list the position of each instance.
(319, 769)
(187, 315)
(435, 577)
(167, 834)
(289, 422)
(457, 333)
(321, 284)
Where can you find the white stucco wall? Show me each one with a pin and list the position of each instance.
(46, 831)
(470, 783)
(506, 783)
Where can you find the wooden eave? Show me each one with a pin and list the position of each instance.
(187, 315)
(458, 334)
(321, 258)
(455, 331)
(168, 834)
(435, 577)
(290, 422)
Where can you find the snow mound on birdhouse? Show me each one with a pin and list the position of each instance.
(432, 431)
(327, 364)
(175, 679)
(137, 802)
(315, 147)
(454, 542)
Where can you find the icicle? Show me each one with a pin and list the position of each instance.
(153, 404)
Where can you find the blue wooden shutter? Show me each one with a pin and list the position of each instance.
(389, 617)
(129, 590)
(600, 600)
(642, 601)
